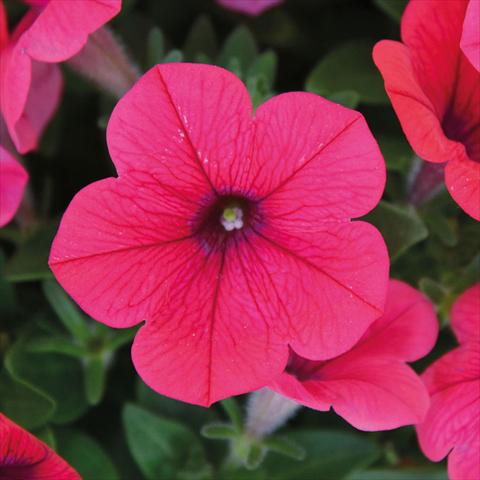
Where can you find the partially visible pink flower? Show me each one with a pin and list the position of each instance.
(465, 316)
(25, 457)
(249, 7)
(231, 237)
(470, 42)
(452, 426)
(52, 31)
(435, 92)
(371, 386)
(13, 179)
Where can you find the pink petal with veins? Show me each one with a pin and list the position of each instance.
(452, 426)
(221, 307)
(370, 386)
(24, 457)
(30, 80)
(435, 92)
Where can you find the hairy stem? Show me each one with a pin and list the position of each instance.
(267, 411)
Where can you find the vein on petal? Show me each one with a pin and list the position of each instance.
(317, 268)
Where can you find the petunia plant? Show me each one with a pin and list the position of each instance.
(239, 239)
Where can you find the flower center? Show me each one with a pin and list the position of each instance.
(232, 218)
(225, 218)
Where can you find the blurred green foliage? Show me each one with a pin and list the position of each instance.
(70, 380)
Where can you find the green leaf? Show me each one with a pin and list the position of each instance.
(162, 448)
(234, 66)
(30, 261)
(7, 294)
(396, 151)
(258, 89)
(95, 369)
(265, 65)
(155, 47)
(349, 68)
(56, 376)
(66, 310)
(219, 431)
(192, 415)
(255, 456)
(240, 45)
(444, 229)
(173, 56)
(120, 338)
(201, 39)
(401, 227)
(55, 345)
(401, 474)
(230, 405)
(433, 290)
(285, 446)
(393, 8)
(23, 403)
(347, 98)
(46, 435)
(329, 455)
(86, 455)
(470, 274)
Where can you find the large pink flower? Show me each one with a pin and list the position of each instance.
(470, 42)
(250, 7)
(230, 237)
(370, 386)
(52, 31)
(452, 426)
(435, 92)
(13, 179)
(24, 457)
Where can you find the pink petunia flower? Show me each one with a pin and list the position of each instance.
(230, 237)
(52, 31)
(371, 386)
(452, 426)
(470, 41)
(13, 179)
(24, 457)
(249, 7)
(435, 92)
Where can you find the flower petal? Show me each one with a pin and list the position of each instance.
(119, 245)
(462, 177)
(23, 456)
(314, 160)
(419, 116)
(13, 179)
(250, 7)
(62, 28)
(210, 334)
(464, 460)
(470, 42)
(31, 97)
(333, 284)
(3, 26)
(30, 91)
(465, 315)
(369, 392)
(452, 421)
(431, 30)
(192, 134)
(408, 329)
(227, 327)
(375, 393)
